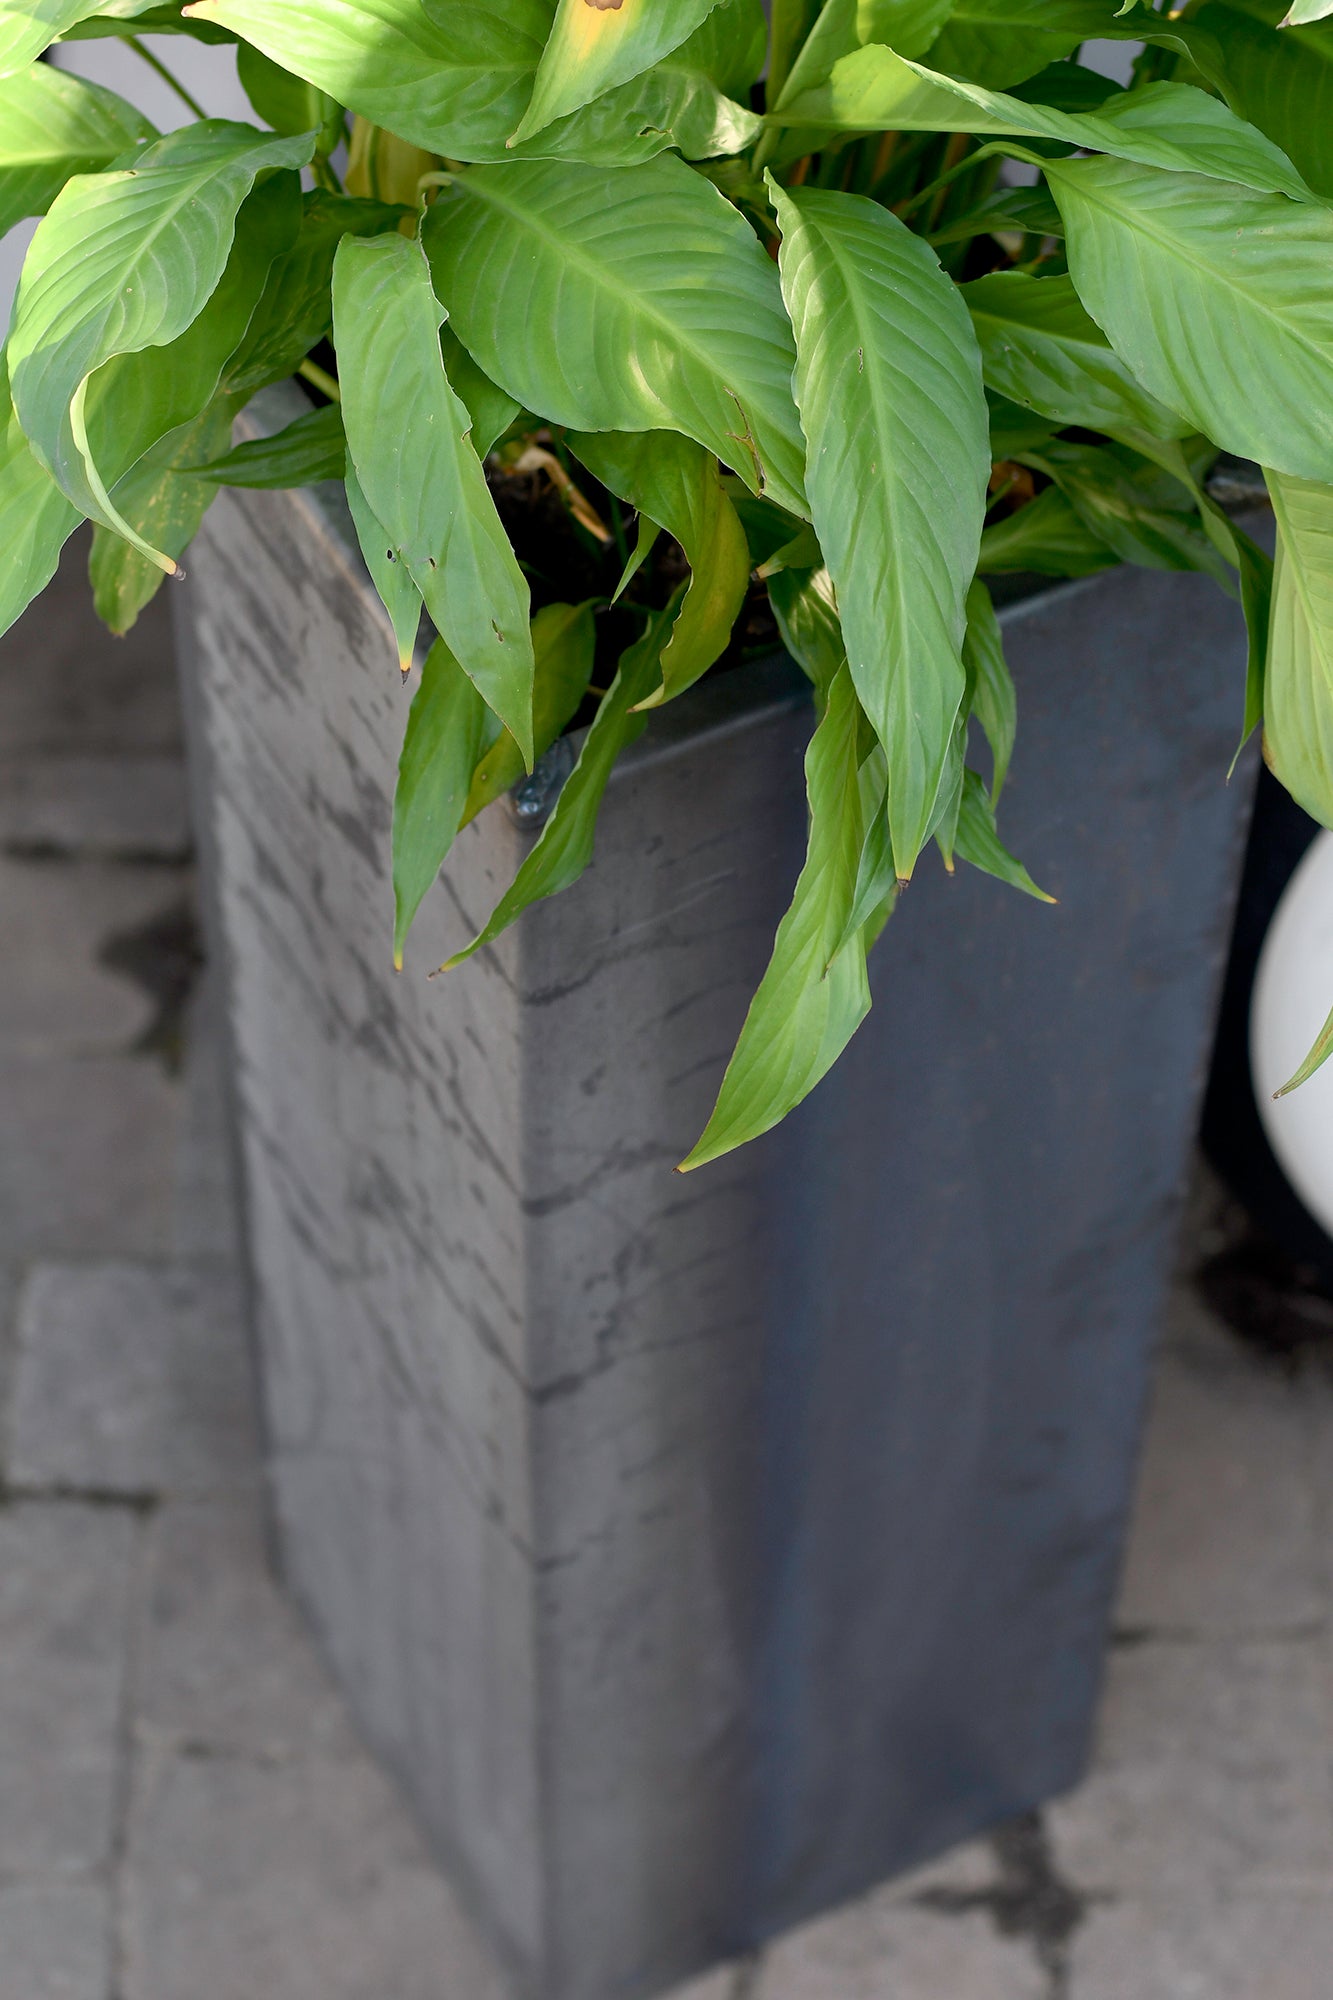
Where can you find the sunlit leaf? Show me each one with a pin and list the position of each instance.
(888, 380)
(675, 321)
(592, 48)
(27, 27)
(675, 483)
(53, 126)
(1168, 125)
(1155, 254)
(128, 261)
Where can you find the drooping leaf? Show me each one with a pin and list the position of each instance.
(446, 731)
(128, 261)
(165, 505)
(564, 846)
(36, 520)
(393, 580)
(675, 321)
(676, 485)
(1167, 125)
(563, 638)
(53, 126)
(814, 996)
(490, 409)
(1318, 1056)
(994, 701)
(408, 436)
(295, 310)
(806, 609)
(1046, 538)
(1154, 254)
(1141, 513)
(1039, 346)
(888, 380)
(977, 842)
(592, 48)
(27, 27)
(311, 448)
(1298, 683)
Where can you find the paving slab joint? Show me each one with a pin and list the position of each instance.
(1031, 1900)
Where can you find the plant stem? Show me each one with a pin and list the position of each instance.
(321, 379)
(173, 83)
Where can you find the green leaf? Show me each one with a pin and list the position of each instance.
(592, 48)
(1045, 538)
(563, 638)
(1168, 125)
(1283, 83)
(311, 448)
(909, 26)
(1318, 1056)
(888, 380)
(994, 701)
(408, 436)
(564, 846)
(446, 730)
(1004, 42)
(53, 126)
(36, 520)
(1040, 347)
(1140, 513)
(164, 504)
(676, 485)
(295, 310)
(125, 262)
(27, 27)
(286, 102)
(491, 411)
(449, 76)
(392, 579)
(657, 308)
(133, 17)
(814, 996)
(978, 843)
(1152, 254)
(806, 609)
(1298, 691)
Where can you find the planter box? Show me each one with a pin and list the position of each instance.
(700, 1551)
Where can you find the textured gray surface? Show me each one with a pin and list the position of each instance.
(700, 1552)
(215, 1732)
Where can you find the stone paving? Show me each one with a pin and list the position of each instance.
(185, 1811)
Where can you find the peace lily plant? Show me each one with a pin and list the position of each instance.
(769, 287)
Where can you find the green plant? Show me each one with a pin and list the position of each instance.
(805, 328)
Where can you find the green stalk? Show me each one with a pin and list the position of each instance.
(142, 50)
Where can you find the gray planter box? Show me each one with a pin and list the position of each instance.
(700, 1551)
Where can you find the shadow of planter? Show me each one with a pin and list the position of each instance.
(699, 1552)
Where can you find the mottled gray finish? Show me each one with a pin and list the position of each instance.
(701, 1551)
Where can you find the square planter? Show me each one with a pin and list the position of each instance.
(700, 1551)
